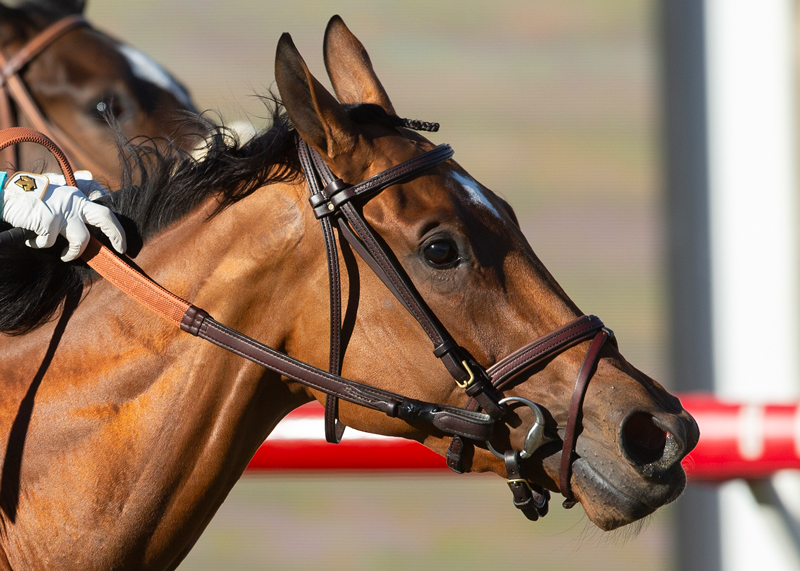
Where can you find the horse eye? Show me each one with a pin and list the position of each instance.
(109, 105)
(440, 253)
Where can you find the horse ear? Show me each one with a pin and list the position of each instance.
(350, 68)
(319, 119)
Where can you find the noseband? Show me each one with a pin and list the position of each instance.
(13, 89)
(334, 200)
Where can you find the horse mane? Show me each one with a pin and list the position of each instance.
(169, 184)
(162, 185)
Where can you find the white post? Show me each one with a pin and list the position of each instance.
(751, 130)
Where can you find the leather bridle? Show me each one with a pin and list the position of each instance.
(333, 200)
(15, 94)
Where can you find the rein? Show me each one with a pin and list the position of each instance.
(333, 200)
(13, 92)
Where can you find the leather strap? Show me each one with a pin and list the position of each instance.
(337, 192)
(34, 47)
(355, 229)
(16, 135)
(507, 369)
(193, 320)
(334, 430)
(454, 421)
(531, 499)
(100, 258)
(459, 423)
(573, 418)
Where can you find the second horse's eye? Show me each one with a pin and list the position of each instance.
(110, 105)
(441, 253)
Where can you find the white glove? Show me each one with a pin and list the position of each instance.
(57, 210)
(88, 186)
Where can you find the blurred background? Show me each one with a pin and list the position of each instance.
(554, 104)
(557, 105)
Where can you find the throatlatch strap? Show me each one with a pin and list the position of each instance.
(334, 430)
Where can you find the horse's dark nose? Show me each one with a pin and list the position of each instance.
(655, 443)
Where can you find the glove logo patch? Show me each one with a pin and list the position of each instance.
(26, 183)
(29, 182)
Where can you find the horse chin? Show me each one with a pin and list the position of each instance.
(611, 506)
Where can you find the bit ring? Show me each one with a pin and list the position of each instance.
(535, 435)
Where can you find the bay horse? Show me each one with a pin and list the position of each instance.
(123, 434)
(67, 79)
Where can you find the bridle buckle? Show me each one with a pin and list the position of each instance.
(470, 381)
(519, 481)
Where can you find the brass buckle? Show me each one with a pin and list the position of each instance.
(517, 481)
(468, 383)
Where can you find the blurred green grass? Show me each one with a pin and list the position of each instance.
(551, 103)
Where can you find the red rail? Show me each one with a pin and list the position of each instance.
(298, 443)
(737, 441)
(742, 440)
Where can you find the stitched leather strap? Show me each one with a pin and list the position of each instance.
(460, 423)
(193, 320)
(573, 419)
(505, 370)
(509, 368)
(448, 419)
(338, 193)
(366, 243)
(334, 430)
(531, 499)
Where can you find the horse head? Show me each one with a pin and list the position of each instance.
(460, 245)
(133, 432)
(72, 83)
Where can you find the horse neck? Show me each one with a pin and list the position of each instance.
(111, 376)
(118, 354)
(253, 267)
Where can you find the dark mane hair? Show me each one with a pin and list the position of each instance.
(170, 183)
(161, 186)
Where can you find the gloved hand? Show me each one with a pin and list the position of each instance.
(88, 186)
(57, 210)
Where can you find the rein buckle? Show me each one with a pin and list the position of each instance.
(470, 381)
(519, 481)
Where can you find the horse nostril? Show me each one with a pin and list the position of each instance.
(642, 441)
